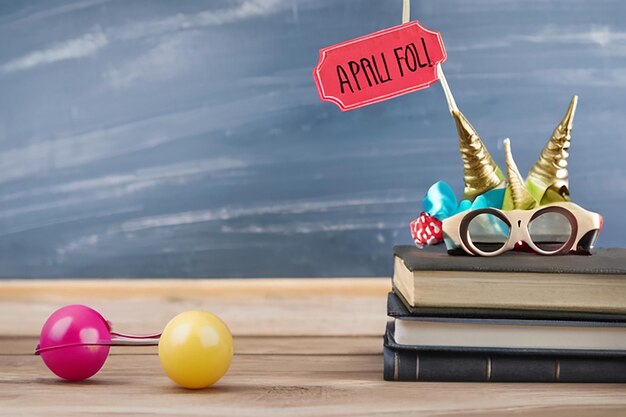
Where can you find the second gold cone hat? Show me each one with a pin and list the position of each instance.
(547, 180)
(480, 172)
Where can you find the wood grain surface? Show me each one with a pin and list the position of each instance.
(302, 347)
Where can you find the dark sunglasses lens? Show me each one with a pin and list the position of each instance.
(550, 231)
(488, 232)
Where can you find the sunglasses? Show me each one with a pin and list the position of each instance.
(75, 341)
(555, 229)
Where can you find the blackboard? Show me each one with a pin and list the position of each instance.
(186, 139)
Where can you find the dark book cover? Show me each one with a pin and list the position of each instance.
(485, 365)
(398, 307)
(607, 261)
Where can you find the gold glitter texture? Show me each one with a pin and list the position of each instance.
(547, 180)
(480, 172)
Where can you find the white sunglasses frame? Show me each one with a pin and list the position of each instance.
(582, 222)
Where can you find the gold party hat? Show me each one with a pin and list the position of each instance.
(516, 196)
(547, 180)
(480, 172)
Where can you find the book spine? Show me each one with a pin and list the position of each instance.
(413, 365)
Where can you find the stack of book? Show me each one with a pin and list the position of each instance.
(516, 317)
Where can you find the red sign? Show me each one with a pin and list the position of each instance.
(379, 66)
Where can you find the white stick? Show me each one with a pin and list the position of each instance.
(406, 11)
(406, 16)
(446, 89)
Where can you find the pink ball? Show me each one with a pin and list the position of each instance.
(74, 342)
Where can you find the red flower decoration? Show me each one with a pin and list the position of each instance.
(426, 230)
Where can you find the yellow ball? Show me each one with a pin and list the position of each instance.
(196, 349)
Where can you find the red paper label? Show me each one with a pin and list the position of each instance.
(379, 66)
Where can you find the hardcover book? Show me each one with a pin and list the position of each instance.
(430, 278)
(397, 307)
(538, 336)
(412, 363)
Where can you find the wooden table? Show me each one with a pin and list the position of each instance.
(302, 347)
